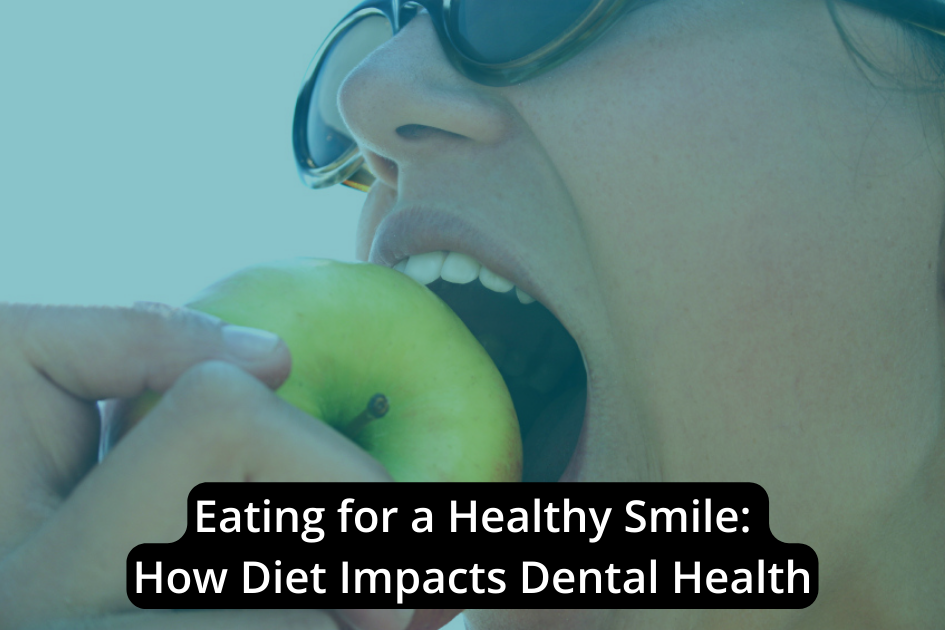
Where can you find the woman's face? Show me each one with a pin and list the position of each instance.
(740, 232)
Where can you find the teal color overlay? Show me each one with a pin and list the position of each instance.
(145, 147)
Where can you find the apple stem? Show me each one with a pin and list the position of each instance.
(376, 408)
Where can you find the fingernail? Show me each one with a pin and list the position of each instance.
(249, 343)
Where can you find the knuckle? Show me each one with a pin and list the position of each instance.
(211, 392)
(209, 382)
(217, 408)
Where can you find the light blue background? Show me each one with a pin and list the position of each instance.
(145, 147)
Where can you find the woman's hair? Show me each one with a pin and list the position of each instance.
(925, 72)
(928, 13)
(919, 52)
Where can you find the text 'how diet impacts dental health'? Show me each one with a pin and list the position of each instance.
(439, 545)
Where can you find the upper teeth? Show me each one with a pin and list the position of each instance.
(459, 269)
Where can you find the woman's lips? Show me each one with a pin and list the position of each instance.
(415, 230)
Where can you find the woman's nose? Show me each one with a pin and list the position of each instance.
(405, 103)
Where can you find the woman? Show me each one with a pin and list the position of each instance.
(738, 222)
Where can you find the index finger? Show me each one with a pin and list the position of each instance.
(108, 352)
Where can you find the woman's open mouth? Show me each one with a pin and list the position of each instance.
(540, 361)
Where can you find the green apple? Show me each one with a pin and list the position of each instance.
(356, 330)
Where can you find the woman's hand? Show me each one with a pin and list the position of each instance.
(67, 524)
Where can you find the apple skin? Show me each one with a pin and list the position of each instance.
(358, 329)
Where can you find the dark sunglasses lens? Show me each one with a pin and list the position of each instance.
(500, 31)
(326, 133)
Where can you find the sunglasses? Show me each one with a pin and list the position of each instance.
(492, 42)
